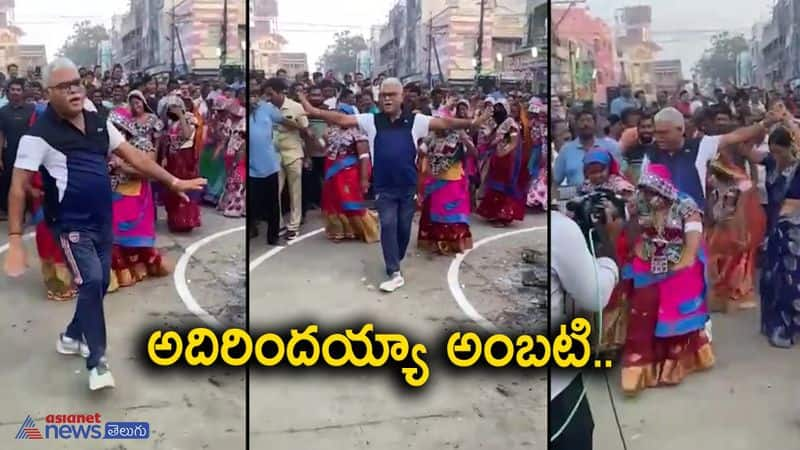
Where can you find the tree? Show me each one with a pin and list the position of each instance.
(81, 47)
(718, 63)
(341, 55)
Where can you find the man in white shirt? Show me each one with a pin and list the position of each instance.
(578, 281)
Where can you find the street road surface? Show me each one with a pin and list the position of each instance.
(749, 400)
(315, 280)
(187, 410)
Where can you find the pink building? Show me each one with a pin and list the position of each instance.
(592, 33)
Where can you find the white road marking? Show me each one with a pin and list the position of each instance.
(452, 272)
(272, 252)
(179, 277)
(455, 286)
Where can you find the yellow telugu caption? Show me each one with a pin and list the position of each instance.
(569, 349)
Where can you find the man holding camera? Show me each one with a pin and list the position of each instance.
(579, 280)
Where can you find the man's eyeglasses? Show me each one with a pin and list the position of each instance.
(67, 86)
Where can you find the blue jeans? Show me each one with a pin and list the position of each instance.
(396, 212)
(88, 255)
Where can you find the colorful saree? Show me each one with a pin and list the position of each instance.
(666, 338)
(134, 256)
(734, 234)
(444, 223)
(616, 313)
(232, 203)
(182, 162)
(346, 215)
(213, 169)
(506, 182)
(56, 274)
(780, 309)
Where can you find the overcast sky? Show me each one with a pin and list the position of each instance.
(309, 25)
(676, 15)
(50, 22)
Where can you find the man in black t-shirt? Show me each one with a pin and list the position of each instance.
(14, 122)
(645, 143)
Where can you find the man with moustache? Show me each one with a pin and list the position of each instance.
(70, 146)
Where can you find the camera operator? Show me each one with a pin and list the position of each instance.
(581, 281)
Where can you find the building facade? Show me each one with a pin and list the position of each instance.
(667, 75)
(400, 46)
(636, 52)
(200, 33)
(529, 63)
(584, 59)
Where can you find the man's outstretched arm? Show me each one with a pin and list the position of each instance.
(332, 117)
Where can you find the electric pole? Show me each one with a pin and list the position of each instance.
(430, 46)
(224, 51)
(479, 52)
(172, 41)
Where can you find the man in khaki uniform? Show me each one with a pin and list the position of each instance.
(289, 143)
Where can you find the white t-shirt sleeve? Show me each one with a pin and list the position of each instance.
(115, 138)
(421, 127)
(31, 153)
(366, 123)
(709, 147)
(576, 267)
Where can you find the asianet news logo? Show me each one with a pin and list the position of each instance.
(81, 426)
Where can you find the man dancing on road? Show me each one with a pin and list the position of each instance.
(393, 137)
(71, 146)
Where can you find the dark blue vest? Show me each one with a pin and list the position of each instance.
(681, 166)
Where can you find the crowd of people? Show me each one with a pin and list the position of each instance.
(713, 202)
(340, 144)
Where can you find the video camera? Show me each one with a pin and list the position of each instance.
(589, 210)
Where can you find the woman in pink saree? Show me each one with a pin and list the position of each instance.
(134, 256)
(666, 338)
(232, 203)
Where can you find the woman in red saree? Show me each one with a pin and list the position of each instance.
(734, 232)
(232, 203)
(506, 181)
(182, 161)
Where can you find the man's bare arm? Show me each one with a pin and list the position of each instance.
(146, 166)
(451, 123)
(742, 135)
(332, 117)
(20, 179)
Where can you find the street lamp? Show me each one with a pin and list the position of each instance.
(499, 57)
(219, 52)
(244, 45)
(534, 52)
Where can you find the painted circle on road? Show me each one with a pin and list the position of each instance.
(272, 252)
(455, 286)
(179, 277)
(452, 273)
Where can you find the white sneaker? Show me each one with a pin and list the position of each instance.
(100, 377)
(396, 282)
(68, 346)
